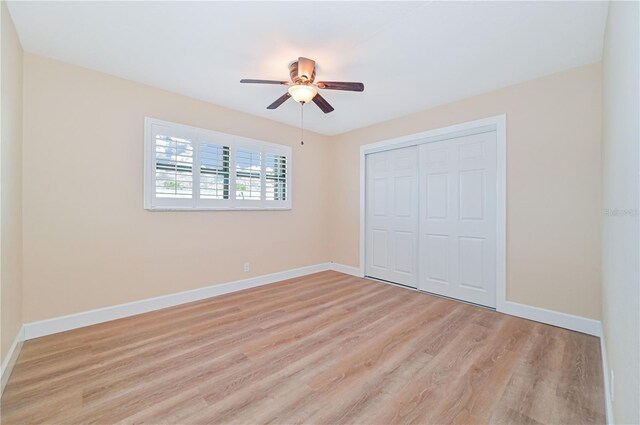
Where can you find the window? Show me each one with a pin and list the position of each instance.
(188, 168)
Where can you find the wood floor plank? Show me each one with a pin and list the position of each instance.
(167, 317)
(135, 367)
(578, 391)
(363, 406)
(107, 355)
(324, 348)
(113, 399)
(365, 325)
(432, 384)
(531, 388)
(473, 398)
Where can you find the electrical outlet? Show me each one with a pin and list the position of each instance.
(612, 385)
(246, 267)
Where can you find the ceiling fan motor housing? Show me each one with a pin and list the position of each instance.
(300, 79)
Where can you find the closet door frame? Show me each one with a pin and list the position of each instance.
(499, 125)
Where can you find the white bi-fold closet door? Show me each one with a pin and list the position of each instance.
(431, 217)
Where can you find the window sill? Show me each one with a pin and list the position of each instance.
(161, 209)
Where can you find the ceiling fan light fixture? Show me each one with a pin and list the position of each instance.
(302, 93)
(303, 90)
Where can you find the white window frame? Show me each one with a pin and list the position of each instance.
(153, 126)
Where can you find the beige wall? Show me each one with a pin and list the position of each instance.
(89, 243)
(553, 185)
(621, 236)
(10, 186)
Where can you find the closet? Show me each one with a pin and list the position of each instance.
(431, 217)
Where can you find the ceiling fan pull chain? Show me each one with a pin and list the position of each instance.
(302, 123)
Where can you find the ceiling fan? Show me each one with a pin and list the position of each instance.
(302, 87)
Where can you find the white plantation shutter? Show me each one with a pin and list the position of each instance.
(174, 167)
(276, 177)
(189, 168)
(248, 175)
(214, 171)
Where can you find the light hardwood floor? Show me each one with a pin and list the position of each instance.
(323, 349)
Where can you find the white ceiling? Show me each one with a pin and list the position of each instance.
(410, 55)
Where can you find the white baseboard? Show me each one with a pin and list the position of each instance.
(92, 317)
(10, 360)
(608, 403)
(100, 315)
(555, 318)
(337, 267)
(550, 317)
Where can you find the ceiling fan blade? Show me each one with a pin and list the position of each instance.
(340, 85)
(322, 103)
(244, 80)
(306, 69)
(279, 101)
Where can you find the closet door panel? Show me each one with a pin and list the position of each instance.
(391, 217)
(457, 225)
